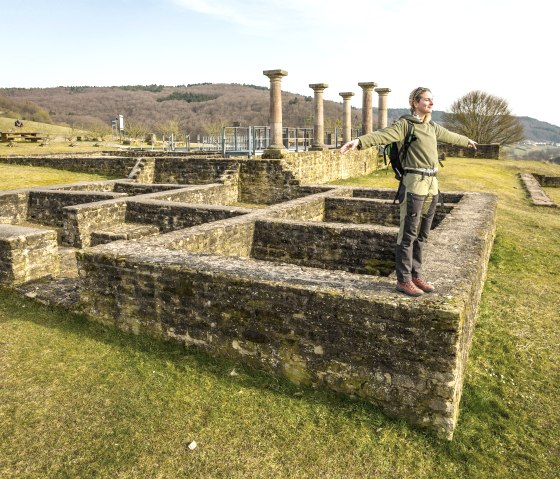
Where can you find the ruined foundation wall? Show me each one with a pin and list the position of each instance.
(212, 194)
(224, 238)
(81, 220)
(266, 182)
(271, 287)
(170, 216)
(13, 206)
(27, 254)
(379, 212)
(488, 151)
(142, 188)
(47, 206)
(310, 210)
(117, 167)
(470, 228)
(97, 186)
(329, 165)
(325, 327)
(397, 355)
(548, 181)
(193, 171)
(363, 250)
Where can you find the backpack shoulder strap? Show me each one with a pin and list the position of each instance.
(410, 133)
(408, 139)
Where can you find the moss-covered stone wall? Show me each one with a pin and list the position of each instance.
(283, 299)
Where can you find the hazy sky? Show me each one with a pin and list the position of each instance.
(505, 48)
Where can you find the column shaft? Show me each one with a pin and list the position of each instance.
(276, 146)
(319, 121)
(346, 116)
(382, 107)
(367, 105)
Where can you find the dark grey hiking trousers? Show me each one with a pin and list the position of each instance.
(416, 215)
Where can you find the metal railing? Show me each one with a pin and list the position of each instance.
(253, 140)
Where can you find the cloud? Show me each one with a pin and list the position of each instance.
(273, 16)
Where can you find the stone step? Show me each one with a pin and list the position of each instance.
(126, 231)
(62, 292)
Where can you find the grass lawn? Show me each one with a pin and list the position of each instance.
(57, 140)
(78, 400)
(14, 177)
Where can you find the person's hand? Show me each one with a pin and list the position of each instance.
(351, 145)
(472, 144)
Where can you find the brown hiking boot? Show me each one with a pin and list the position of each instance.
(423, 285)
(409, 289)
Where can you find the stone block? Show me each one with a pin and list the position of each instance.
(27, 254)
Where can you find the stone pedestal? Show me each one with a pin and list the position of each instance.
(367, 113)
(346, 116)
(276, 147)
(382, 107)
(319, 122)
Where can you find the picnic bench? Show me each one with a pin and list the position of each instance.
(7, 136)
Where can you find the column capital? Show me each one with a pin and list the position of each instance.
(346, 94)
(368, 85)
(319, 86)
(272, 74)
(382, 91)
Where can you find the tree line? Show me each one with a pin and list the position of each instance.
(204, 108)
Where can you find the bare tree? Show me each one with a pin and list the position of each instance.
(484, 117)
(214, 128)
(170, 127)
(135, 128)
(97, 128)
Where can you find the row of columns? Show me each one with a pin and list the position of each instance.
(276, 146)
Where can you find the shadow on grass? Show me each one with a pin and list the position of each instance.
(182, 358)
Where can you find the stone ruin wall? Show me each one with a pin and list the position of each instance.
(534, 184)
(26, 253)
(314, 314)
(488, 151)
(254, 265)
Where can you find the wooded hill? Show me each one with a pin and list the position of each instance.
(196, 109)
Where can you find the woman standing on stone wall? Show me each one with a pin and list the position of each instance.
(419, 196)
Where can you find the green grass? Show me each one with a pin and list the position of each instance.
(7, 124)
(57, 142)
(78, 400)
(13, 177)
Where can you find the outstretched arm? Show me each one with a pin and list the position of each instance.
(350, 146)
(443, 135)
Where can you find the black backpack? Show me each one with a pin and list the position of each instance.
(397, 157)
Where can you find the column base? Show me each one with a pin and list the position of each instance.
(274, 153)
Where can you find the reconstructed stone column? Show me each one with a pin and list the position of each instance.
(346, 116)
(382, 107)
(319, 123)
(367, 113)
(276, 147)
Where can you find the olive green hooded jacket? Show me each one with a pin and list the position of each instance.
(423, 151)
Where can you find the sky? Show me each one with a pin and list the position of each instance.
(505, 48)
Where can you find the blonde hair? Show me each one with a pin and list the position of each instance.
(415, 95)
